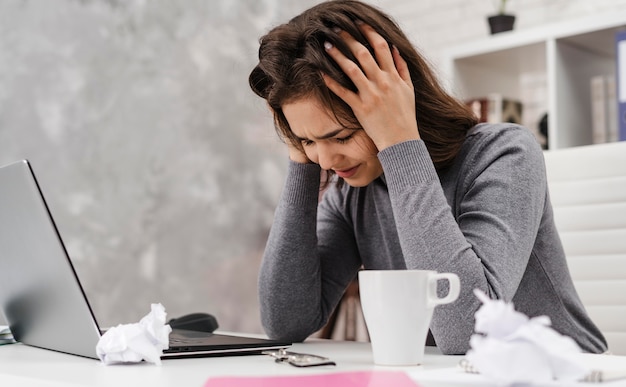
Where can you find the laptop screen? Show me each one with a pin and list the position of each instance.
(40, 293)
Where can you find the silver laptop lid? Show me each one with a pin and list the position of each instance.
(40, 295)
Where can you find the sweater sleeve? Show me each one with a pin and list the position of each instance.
(308, 261)
(488, 240)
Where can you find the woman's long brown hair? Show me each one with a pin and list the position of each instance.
(292, 58)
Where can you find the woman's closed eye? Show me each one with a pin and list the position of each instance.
(343, 140)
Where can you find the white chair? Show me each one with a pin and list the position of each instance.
(588, 190)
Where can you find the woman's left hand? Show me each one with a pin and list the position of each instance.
(385, 101)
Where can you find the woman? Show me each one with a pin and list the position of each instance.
(427, 187)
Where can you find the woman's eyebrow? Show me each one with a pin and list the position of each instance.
(330, 134)
(327, 135)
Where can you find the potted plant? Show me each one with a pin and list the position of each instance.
(502, 21)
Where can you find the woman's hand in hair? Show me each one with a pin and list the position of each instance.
(385, 101)
(296, 154)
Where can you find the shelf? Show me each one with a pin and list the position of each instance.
(548, 68)
(583, 30)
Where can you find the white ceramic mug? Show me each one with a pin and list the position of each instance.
(398, 307)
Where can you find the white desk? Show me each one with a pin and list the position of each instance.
(22, 366)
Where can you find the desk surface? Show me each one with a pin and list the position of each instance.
(22, 366)
(26, 366)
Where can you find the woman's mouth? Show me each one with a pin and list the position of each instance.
(347, 173)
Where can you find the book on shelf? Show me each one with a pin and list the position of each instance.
(620, 54)
(495, 108)
(604, 116)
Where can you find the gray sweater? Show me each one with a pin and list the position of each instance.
(487, 218)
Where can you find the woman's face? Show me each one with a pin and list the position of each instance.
(347, 151)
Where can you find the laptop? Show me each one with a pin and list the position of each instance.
(41, 296)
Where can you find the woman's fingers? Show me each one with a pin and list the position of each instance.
(401, 66)
(384, 102)
(371, 66)
(350, 69)
(388, 60)
(384, 60)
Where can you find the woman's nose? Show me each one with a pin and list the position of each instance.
(326, 156)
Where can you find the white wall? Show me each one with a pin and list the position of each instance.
(435, 25)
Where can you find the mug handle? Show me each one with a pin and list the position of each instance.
(453, 291)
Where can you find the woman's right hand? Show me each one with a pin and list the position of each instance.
(296, 154)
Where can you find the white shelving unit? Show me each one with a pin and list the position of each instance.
(564, 55)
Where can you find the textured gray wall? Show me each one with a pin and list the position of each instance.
(160, 166)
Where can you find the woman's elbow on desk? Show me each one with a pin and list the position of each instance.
(286, 327)
(285, 332)
(454, 348)
(453, 341)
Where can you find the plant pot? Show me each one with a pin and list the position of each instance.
(501, 23)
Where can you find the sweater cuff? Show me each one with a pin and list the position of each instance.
(302, 184)
(407, 164)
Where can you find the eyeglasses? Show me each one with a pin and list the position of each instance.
(298, 359)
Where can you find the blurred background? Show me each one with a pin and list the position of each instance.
(160, 166)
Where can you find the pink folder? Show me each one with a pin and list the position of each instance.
(343, 379)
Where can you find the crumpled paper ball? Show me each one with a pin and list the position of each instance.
(511, 348)
(132, 343)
